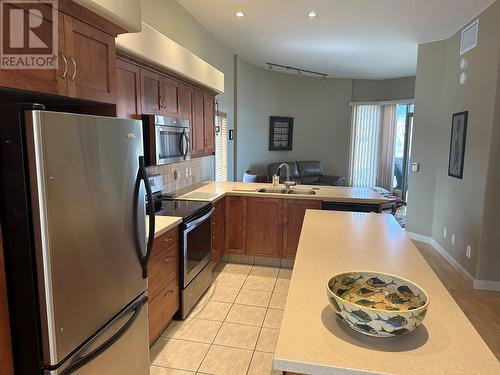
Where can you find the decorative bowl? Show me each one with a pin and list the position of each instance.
(377, 304)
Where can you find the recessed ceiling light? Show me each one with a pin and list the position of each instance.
(239, 14)
(312, 14)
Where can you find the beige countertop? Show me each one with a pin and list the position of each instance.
(213, 191)
(313, 341)
(163, 224)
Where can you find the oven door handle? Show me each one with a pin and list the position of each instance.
(142, 175)
(194, 223)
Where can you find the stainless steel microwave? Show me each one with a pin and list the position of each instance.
(166, 139)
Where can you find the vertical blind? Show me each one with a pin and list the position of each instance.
(365, 141)
(221, 146)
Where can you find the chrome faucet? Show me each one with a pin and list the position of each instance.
(288, 182)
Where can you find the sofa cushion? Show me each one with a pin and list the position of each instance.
(312, 180)
(273, 168)
(309, 169)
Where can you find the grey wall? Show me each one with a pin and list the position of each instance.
(172, 20)
(321, 114)
(458, 205)
(369, 90)
(425, 145)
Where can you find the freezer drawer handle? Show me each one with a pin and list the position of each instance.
(82, 361)
(142, 175)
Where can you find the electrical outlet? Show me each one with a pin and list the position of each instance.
(468, 251)
(445, 233)
(453, 239)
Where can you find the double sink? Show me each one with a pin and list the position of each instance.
(287, 191)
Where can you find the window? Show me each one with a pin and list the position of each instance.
(221, 146)
(365, 140)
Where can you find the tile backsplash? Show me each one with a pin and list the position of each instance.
(181, 175)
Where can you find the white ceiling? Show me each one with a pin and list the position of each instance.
(348, 38)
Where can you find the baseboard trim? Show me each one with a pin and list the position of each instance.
(452, 261)
(419, 238)
(487, 285)
(477, 284)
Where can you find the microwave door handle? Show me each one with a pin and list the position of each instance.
(142, 175)
(186, 151)
(82, 361)
(181, 144)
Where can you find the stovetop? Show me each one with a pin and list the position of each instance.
(186, 209)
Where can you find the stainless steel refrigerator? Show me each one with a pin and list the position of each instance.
(73, 215)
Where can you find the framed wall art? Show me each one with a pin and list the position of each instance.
(280, 133)
(457, 144)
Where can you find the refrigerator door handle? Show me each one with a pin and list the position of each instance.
(142, 175)
(82, 361)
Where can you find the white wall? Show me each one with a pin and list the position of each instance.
(172, 20)
(321, 114)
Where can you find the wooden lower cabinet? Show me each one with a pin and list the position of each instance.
(235, 225)
(264, 227)
(294, 211)
(162, 308)
(163, 282)
(218, 232)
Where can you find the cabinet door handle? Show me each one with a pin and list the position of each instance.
(73, 77)
(169, 293)
(65, 60)
(161, 101)
(169, 239)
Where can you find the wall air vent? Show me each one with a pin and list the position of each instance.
(469, 37)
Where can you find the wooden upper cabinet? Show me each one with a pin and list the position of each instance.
(169, 92)
(86, 58)
(235, 225)
(48, 81)
(294, 211)
(91, 61)
(128, 81)
(208, 123)
(197, 131)
(159, 94)
(151, 92)
(185, 101)
(264, 227)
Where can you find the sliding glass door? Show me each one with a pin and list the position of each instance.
(402, 154)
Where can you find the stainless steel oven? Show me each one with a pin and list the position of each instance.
(196, 248)
(167, 139)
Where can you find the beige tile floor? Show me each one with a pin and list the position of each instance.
(234, 328)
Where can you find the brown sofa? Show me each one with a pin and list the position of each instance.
(305, 173)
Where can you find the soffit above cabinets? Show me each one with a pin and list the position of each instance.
(124, 13)
(156, 48)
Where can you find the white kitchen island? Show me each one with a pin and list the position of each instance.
(313, 341)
